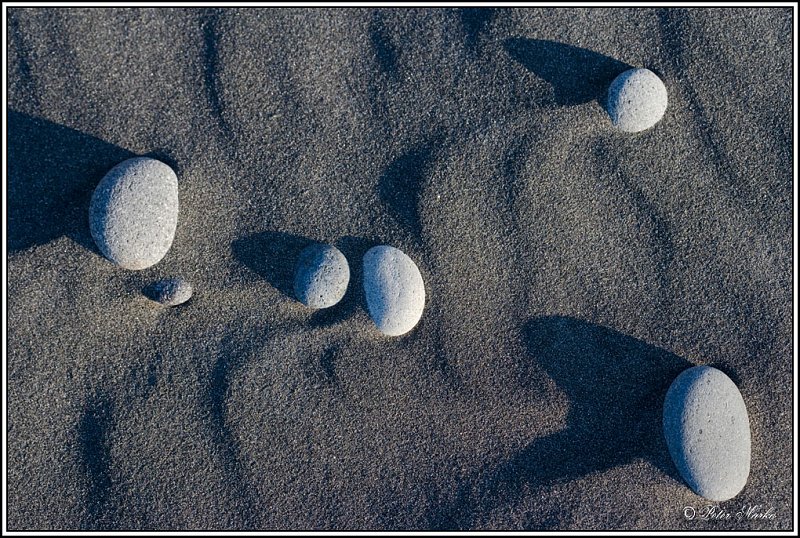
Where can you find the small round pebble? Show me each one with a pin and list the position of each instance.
(708, 432)
(394, 290)
(133, 214)
(321, 277)
(637, 100)
(170, 291)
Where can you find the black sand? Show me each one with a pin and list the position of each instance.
(572, 271)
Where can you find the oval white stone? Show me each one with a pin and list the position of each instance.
(637, 100)
(394, 289)
(708, 432)
(134, 212)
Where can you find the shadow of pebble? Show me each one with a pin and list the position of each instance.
(577, 75)
(615, 385)
(52, 172)
(273, 256)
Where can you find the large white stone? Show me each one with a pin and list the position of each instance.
(708, 432)
(394, 290)
(637, 100)
(134, 212)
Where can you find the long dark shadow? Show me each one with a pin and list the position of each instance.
(615, 385)
(577, 75)
(52, 171)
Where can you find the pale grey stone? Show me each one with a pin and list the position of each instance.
(170, 291)
(134, 212)
(394, 290)
(637, 100)
(708, 432)
(321, 276)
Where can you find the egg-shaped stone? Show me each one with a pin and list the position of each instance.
(133, 213)
(637, 100)
(394, 290)
(707, 430)
(170, 291)
(321, 276)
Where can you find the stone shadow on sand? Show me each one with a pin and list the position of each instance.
(273, 256)
(52, 172)
(577, 75)
(615, 385)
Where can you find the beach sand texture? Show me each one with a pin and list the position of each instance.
(571, 270)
